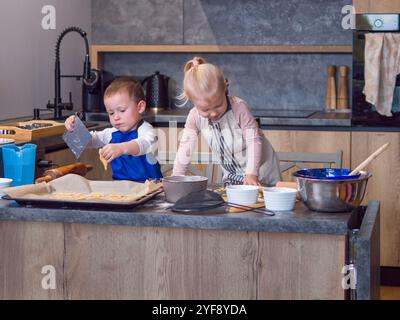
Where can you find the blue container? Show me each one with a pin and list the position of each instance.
(326, 174)
(19, 163)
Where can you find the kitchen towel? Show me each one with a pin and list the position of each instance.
(382, 65)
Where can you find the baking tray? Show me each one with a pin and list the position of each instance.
(61, 204)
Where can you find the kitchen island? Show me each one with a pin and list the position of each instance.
(152, 253)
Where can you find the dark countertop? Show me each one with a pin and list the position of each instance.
(265, 117)
(156, 213)
(306, 120)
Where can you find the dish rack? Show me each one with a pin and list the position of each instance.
(31, 130)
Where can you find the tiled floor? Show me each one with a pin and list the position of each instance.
(390, 293)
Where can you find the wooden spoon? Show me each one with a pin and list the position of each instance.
(363, 164)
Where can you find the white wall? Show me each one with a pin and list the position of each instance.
(27, 53)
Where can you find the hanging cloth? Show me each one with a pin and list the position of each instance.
(382, 65)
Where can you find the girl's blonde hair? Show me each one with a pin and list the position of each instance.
(201, 78)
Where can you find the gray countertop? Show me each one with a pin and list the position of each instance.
(156, 213)
(308, 120)
(265, 117)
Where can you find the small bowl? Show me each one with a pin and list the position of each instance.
(242, 194)
(4, 183)
(279, 199)
(176, 187)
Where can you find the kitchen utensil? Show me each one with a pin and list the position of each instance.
(242, 194)
(205, 200)
(279, 199)
(78, 139)
(157, 91)
(330, 99)
(175, 187)
(328, 195)
(343, 99)
(369, 159)
(77, 168)
(19, 163)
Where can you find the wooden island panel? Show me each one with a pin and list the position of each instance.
(116, 262)
(301, 266)
(25, 248)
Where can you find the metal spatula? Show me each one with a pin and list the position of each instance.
(78, 139)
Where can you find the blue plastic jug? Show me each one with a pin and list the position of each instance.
(19, 163)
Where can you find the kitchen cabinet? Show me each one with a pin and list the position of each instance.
(383, 185)
(373, 6)
(89, 156)
(281, 140)
(310, 141)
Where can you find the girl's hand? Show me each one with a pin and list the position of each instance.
(250, 179)
(112, 151)
(70, 123)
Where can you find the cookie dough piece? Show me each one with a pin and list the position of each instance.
(103, 161)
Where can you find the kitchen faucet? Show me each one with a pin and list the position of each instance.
(58, 105)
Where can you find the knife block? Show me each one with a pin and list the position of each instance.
(343, 99)
(330, 99)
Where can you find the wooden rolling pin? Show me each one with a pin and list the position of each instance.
(366, 162)
(77, 168)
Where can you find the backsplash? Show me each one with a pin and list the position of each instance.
(267, 81)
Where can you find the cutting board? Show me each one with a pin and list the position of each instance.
(31, 130)
(256, 205)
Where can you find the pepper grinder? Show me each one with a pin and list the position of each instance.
(342, 101)
(330, 99)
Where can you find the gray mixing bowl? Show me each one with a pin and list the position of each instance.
(332, 195)
(175, 187)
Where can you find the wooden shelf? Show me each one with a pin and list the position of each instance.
(98, 50)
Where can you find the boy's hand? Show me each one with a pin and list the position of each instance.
(112, 151)
(70, 123)
(250, 179)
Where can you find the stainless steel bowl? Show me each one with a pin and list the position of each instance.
(332, 195)
(175, 187)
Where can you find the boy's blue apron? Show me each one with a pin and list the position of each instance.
(135, 168)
